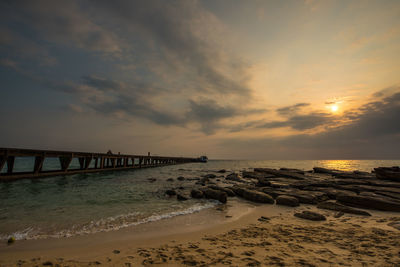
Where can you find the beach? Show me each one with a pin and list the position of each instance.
(206, 215)
(255, 235)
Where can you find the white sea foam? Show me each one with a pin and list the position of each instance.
(110, 224)
(20, 235)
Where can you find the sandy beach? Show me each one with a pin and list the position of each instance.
(239, 233)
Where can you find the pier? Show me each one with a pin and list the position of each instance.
(88, 162)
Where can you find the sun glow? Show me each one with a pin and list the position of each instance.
(334, 108)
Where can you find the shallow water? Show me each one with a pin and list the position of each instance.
(64, 206)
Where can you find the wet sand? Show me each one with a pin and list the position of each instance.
(233, 234)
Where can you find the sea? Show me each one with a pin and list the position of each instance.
(82, 204)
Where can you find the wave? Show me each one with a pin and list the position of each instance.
(108, 224)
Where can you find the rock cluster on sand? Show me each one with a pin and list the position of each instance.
(340, 191)
(309, 215)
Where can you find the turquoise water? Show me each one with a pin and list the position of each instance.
(64, 206)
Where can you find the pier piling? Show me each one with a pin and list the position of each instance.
(88, 162)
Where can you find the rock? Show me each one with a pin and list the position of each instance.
(180, 178)
(246, 174)
(395, 225)
(116, 251)
(196, 193)
(233, 177)
(263, 219)
(293, 170)
(279, 173)
(203, 181)
(287, 201)
(253, 195)
(338, 214)
(210, 176)
(327, 171)
(356, 175)
(360, 188)
(369, 202)
(262, 181)
(181, 197)
(304, 197)
(275, 184)
(221, 196)
(222, 171)
(310, 215)
(170, 192)
(388, 173)
(152, 180)
(11, 240)
(330, 192)
(395, 196)
(228, 191)
(47, 263)
(333, 205)
(170, 180)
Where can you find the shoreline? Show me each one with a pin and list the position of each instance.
(273, 218)
(243, 239)
(147, 233)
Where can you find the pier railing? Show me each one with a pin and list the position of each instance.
(88, 162)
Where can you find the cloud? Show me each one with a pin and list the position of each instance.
(182, 37)
(175, 49)
(301, 122)
(374, 132)
(18, 49)
(63, 22)
(114, 98)
(289, 110)
(208, 113)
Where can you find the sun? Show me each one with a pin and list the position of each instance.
(334, 108)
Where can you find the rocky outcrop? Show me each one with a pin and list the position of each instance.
(327, 171)
(388, 173)
(181, 197)
(210, 176)
(196, 193)
(170, 192)
(221, 196)
(253, 195)
(306, 197)
(233, 177)
(262, 181)
(333, 205)
(293, 170)
(309, 215)
(287, 201)
(281, 173)
(228, 191)
(369, 202)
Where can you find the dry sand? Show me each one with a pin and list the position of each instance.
(231, 235)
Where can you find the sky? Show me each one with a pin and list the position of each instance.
(224, 78)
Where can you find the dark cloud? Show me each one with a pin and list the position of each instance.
(62, 22)
(373, 133)
(175, 48)
(300, 122)
(289, 110)
(185, 37)
(110, 97)
(208, 113)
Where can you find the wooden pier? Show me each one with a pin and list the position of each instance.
(88, 162)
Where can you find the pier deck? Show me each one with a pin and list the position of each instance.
(88, 162)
